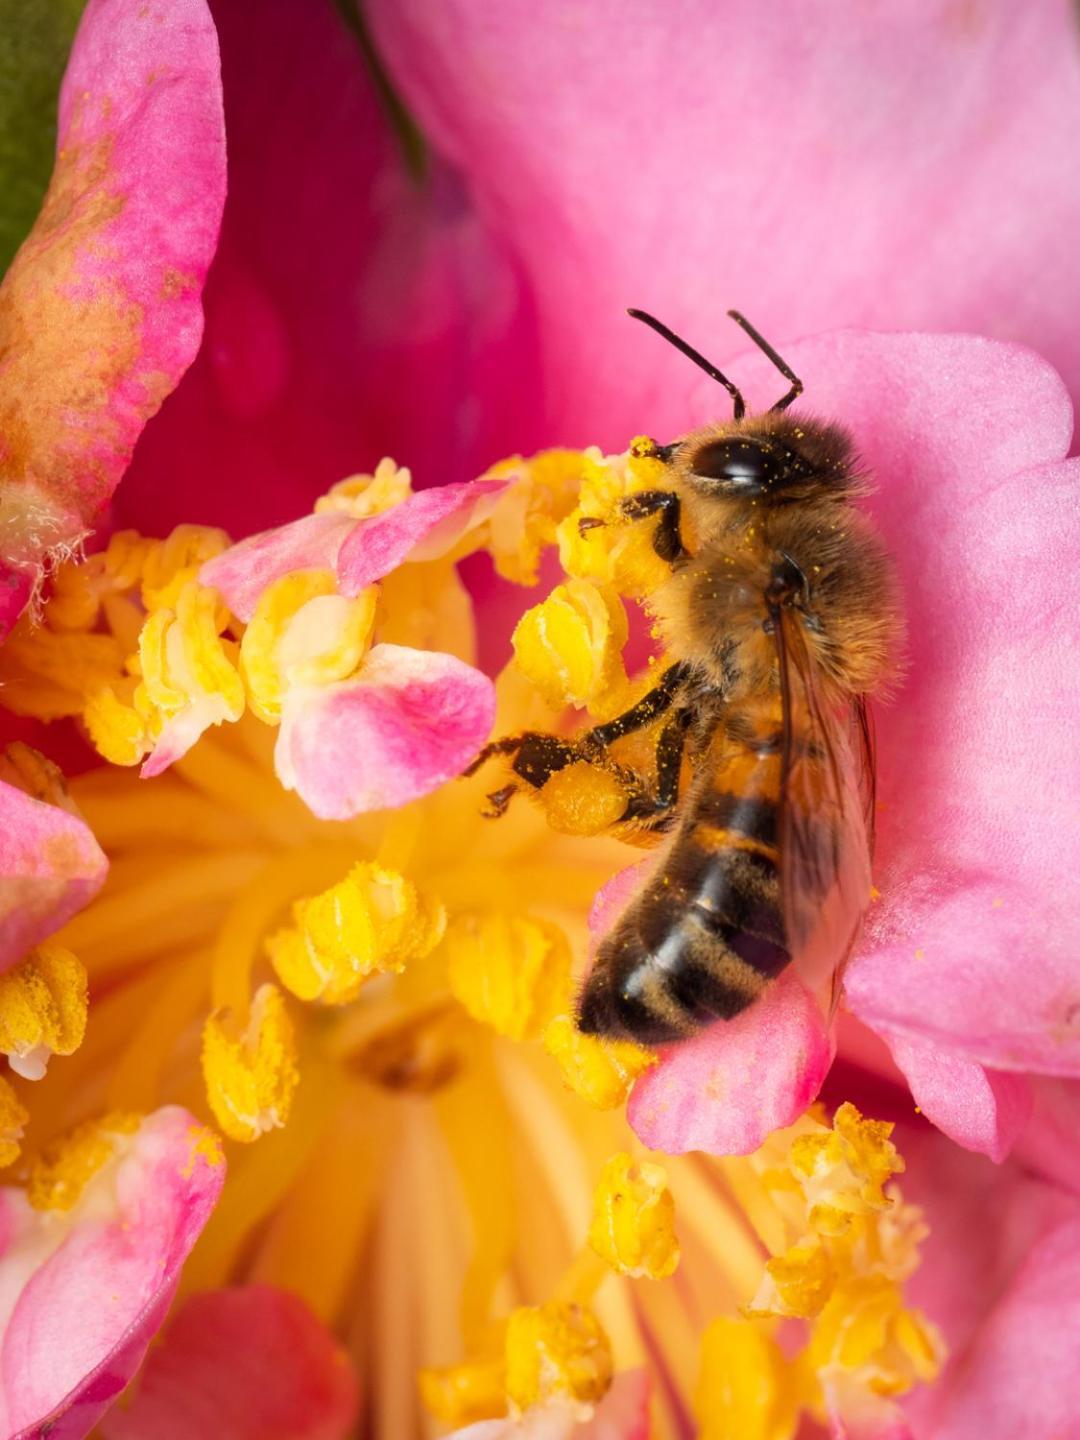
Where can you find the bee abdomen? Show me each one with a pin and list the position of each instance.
(704, 937)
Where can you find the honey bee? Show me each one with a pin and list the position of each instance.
(781, 622)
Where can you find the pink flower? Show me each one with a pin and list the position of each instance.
(100, 308)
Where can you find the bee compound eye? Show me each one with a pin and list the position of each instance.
(746, 466)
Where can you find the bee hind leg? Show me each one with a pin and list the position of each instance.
(655, 809)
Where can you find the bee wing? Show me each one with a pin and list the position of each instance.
(826, 815)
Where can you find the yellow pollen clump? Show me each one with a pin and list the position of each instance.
(251, 1075)
(745, 1388)
(526, 515)
(582, 799)
(508, 971)
(61, 1171)
(372, 921)
(466, 1393)
(13, 1117)
(610, 546)
(570, 646)
(633, 1225)
(364, 495)
(43, 1006)
(599, 1071)
(556, 1351)
(803, 1278)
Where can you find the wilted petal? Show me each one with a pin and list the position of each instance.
(981, 1109)
(244, 571)
(252, 1363)
(421, 528)
(100, 311)
(623, 1414)
(82, 1290)
(727, 1089)
(407, 723)
(50, 867)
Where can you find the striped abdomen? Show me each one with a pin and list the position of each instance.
(706, 935)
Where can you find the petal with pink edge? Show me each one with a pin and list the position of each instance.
(981, 1109)
(251, 1363)
(50, 867)
(82, 1291)
(421, 528)
(100, 311)
(623, 1414)
(244, 571)
(407, 723)
(725, 1090)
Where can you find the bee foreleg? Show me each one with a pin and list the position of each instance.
(653, 809)
(667, 542)
(647, 709)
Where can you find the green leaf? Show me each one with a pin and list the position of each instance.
(35, 37)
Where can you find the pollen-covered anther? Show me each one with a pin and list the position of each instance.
(570, 645)
(510, 972)
(601, 1072)
(842, 1171)
(464, 1394)
(250, 1069)
(557, 1351)
(43, 1004)
(303, 633)
(13, 1118)
(60, 1172)
(375, 920)
(747, 1388)
(169, 565)
(866, 1339)
(633, 1225)
(597, 541)
(583, 799)
(527, 514)
(361, 496)
(797, 1283)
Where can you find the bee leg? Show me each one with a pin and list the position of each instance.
(654, 810)
(499, 800)
(667, 542)
(647, 709)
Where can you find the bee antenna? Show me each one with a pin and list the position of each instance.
(699, 359)
(781, 365)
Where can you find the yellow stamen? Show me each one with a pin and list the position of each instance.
(556, 1352)
(364, 495)
(372, 921)
(745, 1388)
(570, 646)
(42, 1009)
(633, 1226)
(600, 1071)
(250, 1076)
(463, 1394)
(526, 515)
(62, 1170)
(168, 566)
(509, 972)
(13, 1117)
(614, 549)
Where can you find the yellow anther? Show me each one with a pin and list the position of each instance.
(633, 1226)
(373, 920)
(570, 646)
(842, 1171)
(35, 775)
(251, 1073)
(61, 1171)
(125, 558)
(556, 1352)
(797, 1283)
(596, 541)
(600, 1071)
(746, 1388)
(463, 1394)
(169, 566)
(47, 674)
(303, 633)
(509, 972)
(582, 799)
(364, 495)
(526, 515)
(866, 1332)
(42, 1009)
(116, 730)
(13, 1117)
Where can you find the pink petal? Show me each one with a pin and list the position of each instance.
(16, 587)
(251, 1363)
(981, 1109)
(871, 189)
(101, 305)
(83, 1291)
(728, 1088)
(50, 867)
(623, 1414)
(410, 721)
(421, 528)
(614, 896)
(244, 571)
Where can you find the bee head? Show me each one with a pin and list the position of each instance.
(772, 458)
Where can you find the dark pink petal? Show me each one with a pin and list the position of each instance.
(83, 1291)
(100, 311)
(981, 1109)
(421, 528)
(876, 185)
(727, 1089)
(407, 723)
(244, 571)
(613, 897)
(252, 1363)
(50, 867)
